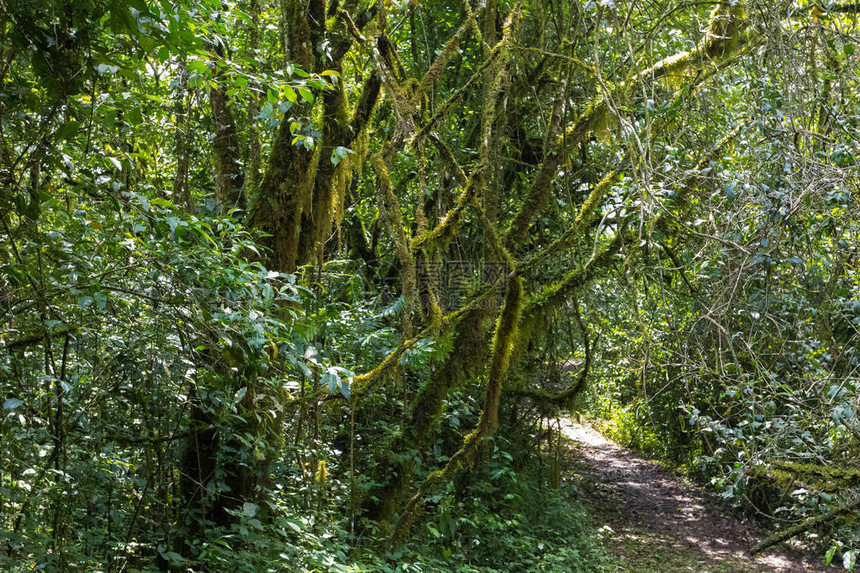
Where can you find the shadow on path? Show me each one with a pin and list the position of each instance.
(653, 522)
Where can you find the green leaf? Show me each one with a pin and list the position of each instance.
(162, 202)
(730, 191)
(828, 557)
(68, 130)
(849, 558)
(103, 69)
(198, 67)
(101, 300)
(134, 116)
(331, 379)
(173, 557)
(848, 49)
(12, 403)
(250, 509)
(339, 153)
(306, 94)
(294, 526)
(240, 393)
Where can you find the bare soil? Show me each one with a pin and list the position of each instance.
(652, 521)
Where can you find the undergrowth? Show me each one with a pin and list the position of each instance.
(506, 519)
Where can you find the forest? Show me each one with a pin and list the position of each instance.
(313, 285)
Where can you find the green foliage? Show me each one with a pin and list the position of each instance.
(126, 317)
(681, 188)
(736, 353)
(504, 515)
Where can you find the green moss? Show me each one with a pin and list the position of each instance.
(559, 291)
(538, 194)
(390, 206)
(583, 218)
(815, 477)
(503, 338)
(499, 52)
(442, 234)
(593, 118)
(363, 383)
(503, 343)
(725, 36)
(434, 72)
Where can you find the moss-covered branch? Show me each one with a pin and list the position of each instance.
(567, 396)
(726, 35)
(448, 159)
(814, 477)
(388, 67)
(434, 72)
(808, 525)
(364, 107)
(503, 341)
(586, 214)
(541, 188)
(499, 51)
(555, 294)
(445, 231)
(389, 206)
(364, 383)
(493, 116)
(447, 228)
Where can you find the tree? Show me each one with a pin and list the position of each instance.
(437, 207)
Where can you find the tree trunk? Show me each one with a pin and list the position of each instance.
(287, 186)
(181, 190)
(229, 177)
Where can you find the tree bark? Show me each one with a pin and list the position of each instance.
(229, 176)
(181, 191)
(287, 184)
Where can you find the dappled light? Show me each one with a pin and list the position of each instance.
(644, 507)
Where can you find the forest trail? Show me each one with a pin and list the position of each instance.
(653, 521)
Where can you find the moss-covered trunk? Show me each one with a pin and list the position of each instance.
(471, 348)
(287, 185)
(229, 175)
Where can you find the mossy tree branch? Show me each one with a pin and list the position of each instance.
(437, 68)
(541, 187)
(567, 396)
(503, 341)
(807, 525)
(726, 35)
(389, 206)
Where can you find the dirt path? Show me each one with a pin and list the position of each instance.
(653, 522)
